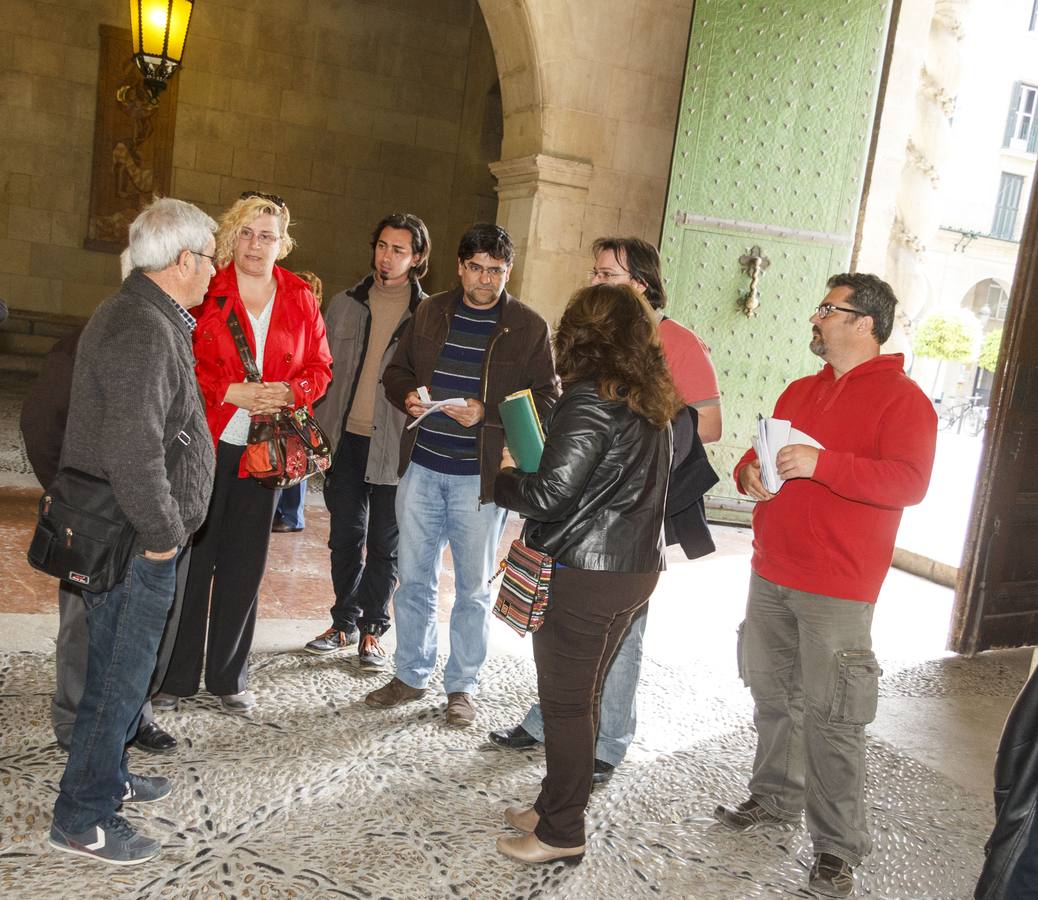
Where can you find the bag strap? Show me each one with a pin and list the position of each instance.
(252, 373)
(181, 441)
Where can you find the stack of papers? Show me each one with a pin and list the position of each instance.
(772, 436)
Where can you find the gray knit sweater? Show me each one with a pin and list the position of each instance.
(133, 390)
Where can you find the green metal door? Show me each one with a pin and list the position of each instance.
(773, 137)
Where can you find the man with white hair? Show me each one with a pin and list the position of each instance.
(135, 419)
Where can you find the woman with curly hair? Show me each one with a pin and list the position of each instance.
(282, 325)
(596, 506)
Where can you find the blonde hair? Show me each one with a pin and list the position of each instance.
(240, 214)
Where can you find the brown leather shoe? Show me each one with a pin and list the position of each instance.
(461, 711)
(522, 818)
(393, 694)
(280, 526)
(529, 849)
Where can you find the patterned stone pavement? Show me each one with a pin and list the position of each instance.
(315, 795)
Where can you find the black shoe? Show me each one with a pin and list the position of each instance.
(153, 739)
(831, 876)
(517, 738)
(280, 526)
(603, 771)
(747, 816)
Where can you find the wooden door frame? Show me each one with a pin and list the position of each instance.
(1001, 444)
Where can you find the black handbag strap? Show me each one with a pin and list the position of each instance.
(252, 373)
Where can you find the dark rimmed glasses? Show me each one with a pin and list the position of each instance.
(825, 310)
(273, 198)
(478, 270)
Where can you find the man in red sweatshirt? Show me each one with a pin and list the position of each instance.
(821, 548)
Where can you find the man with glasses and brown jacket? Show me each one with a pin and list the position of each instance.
(475, 344)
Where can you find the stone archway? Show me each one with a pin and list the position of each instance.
(519, 71)
(541, 197)
(589, 120)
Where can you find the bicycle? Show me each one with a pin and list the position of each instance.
(966, 413)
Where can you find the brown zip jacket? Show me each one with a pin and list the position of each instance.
(518, 356)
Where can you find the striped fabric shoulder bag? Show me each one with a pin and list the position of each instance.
(523, 599)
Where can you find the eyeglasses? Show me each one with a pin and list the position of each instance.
(825, 310)
(478, 270)
(273, 198)
(211, 259)
(606, 275)
(264, 237)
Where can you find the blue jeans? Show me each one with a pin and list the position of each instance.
(618, 714)
(291, 506)
(808, 662)
(125, 625)
(432, 511)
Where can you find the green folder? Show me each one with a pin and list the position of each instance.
(523, 432)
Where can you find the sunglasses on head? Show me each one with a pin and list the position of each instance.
(273, 198)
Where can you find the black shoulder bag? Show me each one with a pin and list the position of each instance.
(82, 535)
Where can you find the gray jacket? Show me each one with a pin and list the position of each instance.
(348, 320)
(133, 391)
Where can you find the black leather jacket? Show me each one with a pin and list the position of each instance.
(1016, 800)
(598, 498)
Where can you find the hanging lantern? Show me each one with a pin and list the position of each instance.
(159, 32)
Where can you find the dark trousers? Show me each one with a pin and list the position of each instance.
(588, 616)
(125, 626)
(71, 657)
(228, 558)
(363, 539)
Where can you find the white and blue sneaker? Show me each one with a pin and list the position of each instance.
(146, 788)
(112, 840)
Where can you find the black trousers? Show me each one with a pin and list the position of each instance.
(363, 539)
(589, 614)
(228, 559)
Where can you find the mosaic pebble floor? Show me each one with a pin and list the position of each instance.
(314, 795)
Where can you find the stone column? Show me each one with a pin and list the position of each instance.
(541, 203)
(916, 220)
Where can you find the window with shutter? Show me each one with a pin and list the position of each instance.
(1022, 123)
(1007, 205)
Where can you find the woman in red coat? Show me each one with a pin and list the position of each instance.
(283, 325)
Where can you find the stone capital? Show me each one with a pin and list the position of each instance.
(525, 175)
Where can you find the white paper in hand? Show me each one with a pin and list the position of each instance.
(772, 436)
(431, 407)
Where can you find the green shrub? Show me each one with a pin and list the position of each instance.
(950, 337)
(989, 350)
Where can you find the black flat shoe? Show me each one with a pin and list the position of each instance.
(603, 771)
(517, 738)
(153, 739)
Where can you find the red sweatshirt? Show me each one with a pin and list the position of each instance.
(834, 534)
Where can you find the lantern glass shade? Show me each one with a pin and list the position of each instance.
(158, 29)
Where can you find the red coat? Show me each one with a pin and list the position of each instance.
(833, 534)
(296, 350)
